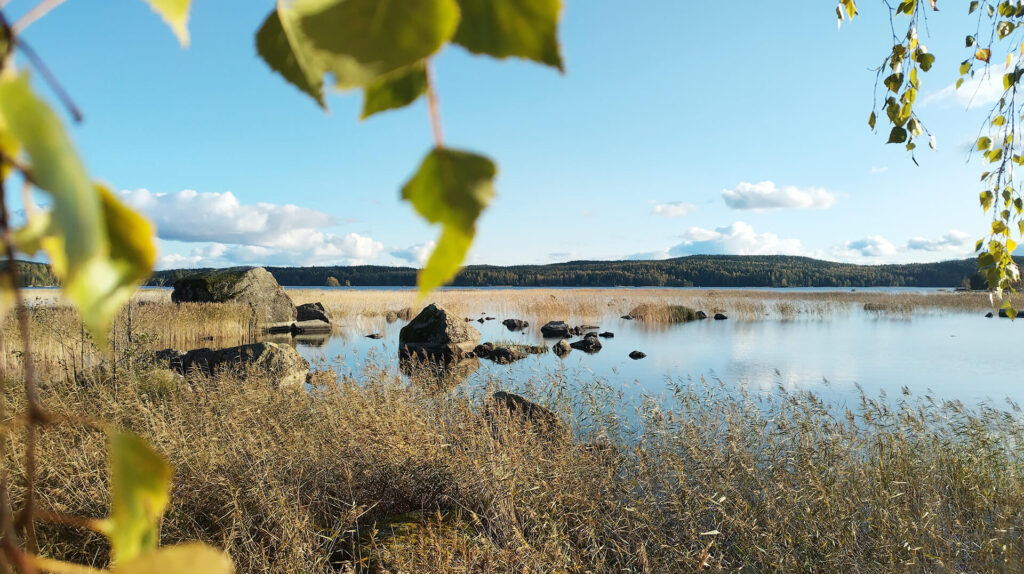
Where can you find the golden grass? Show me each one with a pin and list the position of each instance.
(702, 479)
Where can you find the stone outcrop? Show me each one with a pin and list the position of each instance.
(637, 355)
(252, 286)
(555, 329)
(515, 324)
(438, 335)
(562, 348)
(281, 362)
(720, 317)
(500, 355)
(588, 344)
(311, 312)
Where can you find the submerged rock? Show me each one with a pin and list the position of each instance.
(589, 344)
(515, 324)
(375, 336)
(637, 355)
(989, 315)
(252, 286)
(500, 355)
(720, 317)
(436, 334)
(311, 312)
(555, 329)
(283, 363)
(522, 410)
(562, 348)
(702, 315)
(607, 335)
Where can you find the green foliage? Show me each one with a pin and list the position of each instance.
(139, 485)
(100, 250)
(175, 13)
(383, 47)
(451, 188)
(521, 28)
(396, 90)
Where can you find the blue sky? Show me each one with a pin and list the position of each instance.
(675, 126)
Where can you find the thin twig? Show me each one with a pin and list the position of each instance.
(50, 79)
(34, 14)
(433, 108)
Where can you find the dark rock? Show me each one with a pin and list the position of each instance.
(480, 320)
(720, 317)
(555, 329)
(375, 336)
(282, 362)
(588, 344)
(524, 411)
(515, 324)
(702, 315)
(488, 318)
(170, 358)
(637, 355)
(607, 335)
(1004, 314)
(207, 338)
(500, 355)
(436, 334)
(251, 286)
(627, 317)
(311, 312)
(989, 315)
(562, 348)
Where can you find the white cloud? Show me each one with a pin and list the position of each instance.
(872, 246)
(416, 255)
(766, 195)
(954, 240)
(650, 255)
(984, 89)
(259, 234)
(877, 169)
(738, 238)
(673, 209)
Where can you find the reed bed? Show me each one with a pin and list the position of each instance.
(372, 474)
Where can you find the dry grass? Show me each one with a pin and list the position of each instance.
(702, 479)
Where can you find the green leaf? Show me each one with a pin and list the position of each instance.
(275, 46)
(358, 41)
(521, 28)
(451, 188)
(140, 480)
(175, 13)
(973, 6)
(446, 258)
(986, 260)
(893, 82)
(969, 41)
(871, 120)
(395, 91)
(192, 557)
(926, 60)
(984, 143)
(897, 135)
(965, 67)
(100, 249)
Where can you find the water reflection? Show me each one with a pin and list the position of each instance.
(878, 351)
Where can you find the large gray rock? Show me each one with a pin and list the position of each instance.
(436, 334)
(252, 286)
(281, 362)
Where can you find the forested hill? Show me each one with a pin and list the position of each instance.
(697, 270)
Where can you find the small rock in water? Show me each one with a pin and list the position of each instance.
(375, 336)
(627, 317)
(555, 329)
(637, 355)
(515, 324)
(480, 320)
(720, 317)
(562, 348)
(702, 315)
(589, 344)
(989, 315)
(607, 335)
(488, 318)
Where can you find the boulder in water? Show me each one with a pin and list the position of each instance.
(436, 334)
(252, 286)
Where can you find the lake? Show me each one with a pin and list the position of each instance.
(952, 354)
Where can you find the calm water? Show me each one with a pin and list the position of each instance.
(948, 354)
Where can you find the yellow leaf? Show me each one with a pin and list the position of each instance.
(175, 13)
(139, 483)
(190, 558)
(983, 54)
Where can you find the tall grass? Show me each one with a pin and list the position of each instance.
(372, 472)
